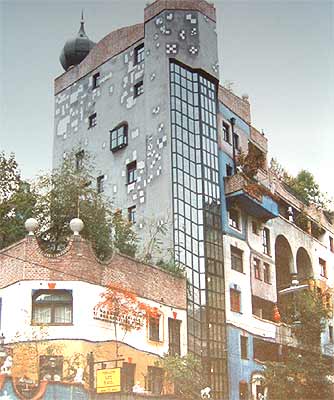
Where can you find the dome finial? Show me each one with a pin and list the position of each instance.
(82, 32)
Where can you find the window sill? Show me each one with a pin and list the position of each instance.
(235, 229)
(237, 312)
(51, 324)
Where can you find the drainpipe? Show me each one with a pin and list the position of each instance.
(232, 121)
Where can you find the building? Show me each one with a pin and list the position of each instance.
(147, 103)
(64, 333)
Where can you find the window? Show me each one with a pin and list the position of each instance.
(244, 347)
(96, 80)
(226, 133)
(52, 307)
(128, 376)
(236, 141)
(235, 297)
(257, 270)
(234, 218)
(154, 379)
(51, 368)
(132, 214)
(79, 157)
(266, 241)
(139, 89)
(229, 170)
(263, 309)
(100, 183)
(139, 54)
(119, 137)
(243, 391)
(236, 259)
(92, 120)
(266, 272)
(174, 327)
(153, 329)
(132, 172)
(255, 227)
(323, 269)
(331, 244)
(330, 333)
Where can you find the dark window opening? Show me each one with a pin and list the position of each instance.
(331, 244)
(100, 183)
(52, 307)
(243, 391)
(235, 300)
(131, 172)
(244, 347)
(266, 241)
(138, 89)
(79, 157)
(266, 273)
(92, 120)
(154, 379)
(234, 218)
(257, 268)
(236, 141)
(96, 80)
(174, 338)
(330, 333)
(153, 329)
(139, 54)
(226, 133)
(128, 376)
(236, 259)
(132, 214)
(119, 137)
(255, 227)
(263, 309)
(51, 368)
(229, 170)
(323, 268)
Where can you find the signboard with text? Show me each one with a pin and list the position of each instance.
(108, 380)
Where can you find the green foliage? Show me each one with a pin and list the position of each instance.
(17, 201)
(252, 161)
(303, 373)
(172, 267)
(124, 238)
(185, 373)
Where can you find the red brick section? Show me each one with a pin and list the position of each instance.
(111, 45)
(234, 103)
(25, 261)
(197, 5)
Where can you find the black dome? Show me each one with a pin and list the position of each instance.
(76, 49)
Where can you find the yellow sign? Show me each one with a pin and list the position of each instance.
(108, 380)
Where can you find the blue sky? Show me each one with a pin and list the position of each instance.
(278, 52)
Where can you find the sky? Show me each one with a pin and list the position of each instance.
(279, 52)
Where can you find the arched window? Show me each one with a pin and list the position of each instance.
(52, 307)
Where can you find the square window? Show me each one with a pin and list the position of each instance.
(323, 267)
(119, 137)
(92, 120)
(266, 272)
(100, 183)
(236, 141)
(155, 379)
(257, 270)
(131, 172)
(79, 157)
(138, 89)
(96, 80)
(51, 367)
(234, 218)
(235, 300)
(52, 307)
(139, 54)
(132, 214)
(229, 170)
(226, 133)
(153, 329)
(244, 347)
(236, 259)
(331, 244)
(174, 336)
(266, 241)
(128, 376)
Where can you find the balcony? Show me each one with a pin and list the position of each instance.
(251, 196)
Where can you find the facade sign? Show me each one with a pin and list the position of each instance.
(108, 380)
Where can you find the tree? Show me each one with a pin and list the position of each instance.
(251, 161)
(17, 201)
(122, 308)
(185, 373)
(304, 373)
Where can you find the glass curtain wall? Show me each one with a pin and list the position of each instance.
(197, 216)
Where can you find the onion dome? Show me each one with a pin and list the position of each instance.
(76, 49)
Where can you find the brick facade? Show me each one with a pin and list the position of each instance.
(25, 261)
(236, 104)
